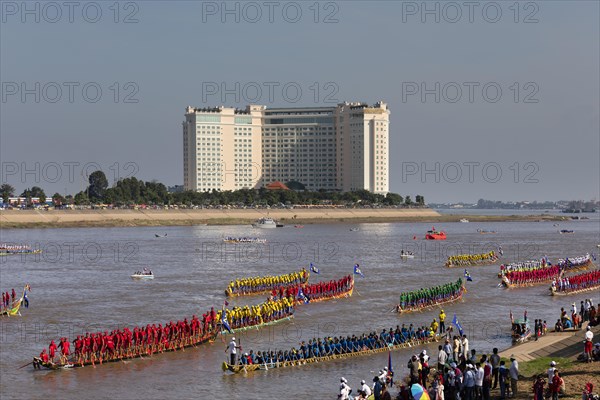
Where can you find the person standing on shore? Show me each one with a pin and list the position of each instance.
(557, 385)
(456, 349)
(588, 345)
(538, 388)
(495, 361)
(469, 383)
(503, 374)
(465, 345)
(514, 374)
(442, 358)
(550, 371)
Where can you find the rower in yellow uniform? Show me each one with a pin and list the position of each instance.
(442, 319)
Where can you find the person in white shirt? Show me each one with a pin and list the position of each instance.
(424, 357)
(514, 374)
(442, 358)
(588, 344)
(589, 335)
(344, 390)
(465, 346)
(365, 389)
(551, 371)
(478, 381)
(232, 347)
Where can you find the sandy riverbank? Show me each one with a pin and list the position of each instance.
(90, 218)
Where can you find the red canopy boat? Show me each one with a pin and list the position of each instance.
(435, 235)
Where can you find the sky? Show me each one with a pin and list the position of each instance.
(495, 100)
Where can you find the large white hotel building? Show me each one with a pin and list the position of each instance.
(341, 148)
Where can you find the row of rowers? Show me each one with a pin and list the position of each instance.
(330, 346)
(126, 342)
(262, 283)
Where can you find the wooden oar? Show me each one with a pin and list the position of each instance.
(23, 366)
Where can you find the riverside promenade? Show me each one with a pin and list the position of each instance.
(554, 344)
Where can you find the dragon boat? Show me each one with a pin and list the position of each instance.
(244, 240)
(38, 363)
(280, 281)
(592, 283)
(421, 306)
(299, 301)
(11, 250)
(341, 295)
(478, 259)
(555, 292)
(256, 326)
(563, 266)
(313, 360)
(14, 308)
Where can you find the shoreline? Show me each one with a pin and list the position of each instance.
(19, 219)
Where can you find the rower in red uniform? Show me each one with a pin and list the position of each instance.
(44, 356)
(52, 350)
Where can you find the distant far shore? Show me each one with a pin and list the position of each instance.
(125, 218)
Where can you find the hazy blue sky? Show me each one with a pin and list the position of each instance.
(545, 143)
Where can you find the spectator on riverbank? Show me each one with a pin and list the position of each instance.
(504, 375)
(514, 375)
(558, 385)
(538, 388)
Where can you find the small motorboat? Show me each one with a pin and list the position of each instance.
(521, 332)
(406, 254)
(265, 222)
(159, 236)
(298, 226)
(353, 229)
(433, 234)
(464, 220)
(143, 275)
(563, 231)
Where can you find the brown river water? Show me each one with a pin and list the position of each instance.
(81, 283)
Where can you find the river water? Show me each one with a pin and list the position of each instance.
(81, 283)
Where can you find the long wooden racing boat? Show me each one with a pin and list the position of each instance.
(472, 264)
(554, 292)
(506, 283)
(284, 364)
(257, 326)
(268, 288)
(72, 363)
(299, 302)
(342, 295)
(14, 308)
(426, 307)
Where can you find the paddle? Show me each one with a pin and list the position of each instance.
(23, 366)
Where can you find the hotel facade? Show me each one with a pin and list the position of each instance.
(341, 148)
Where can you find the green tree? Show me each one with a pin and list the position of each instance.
(407, 201)
(37, 191)
(295, 185)
(420, 200)
(58, 199)
(98, 186)
(393, 199)
(81, 198)
(7, 191)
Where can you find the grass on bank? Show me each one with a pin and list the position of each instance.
(531, 369)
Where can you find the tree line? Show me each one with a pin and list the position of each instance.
(131, 191)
